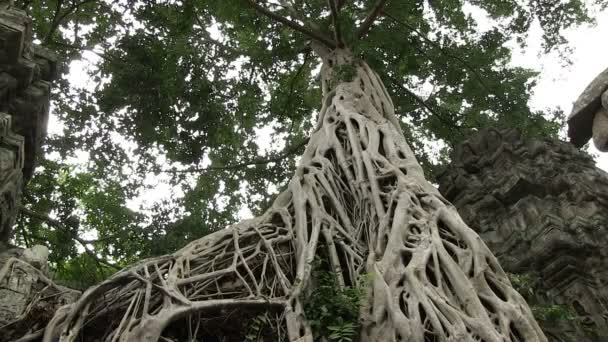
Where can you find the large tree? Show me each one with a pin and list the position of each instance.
(180, 90)
(358, 240)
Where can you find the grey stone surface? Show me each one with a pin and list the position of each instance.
(37, 256)
(542, 208)
(580, 121)
(25, 75)
(28, 298)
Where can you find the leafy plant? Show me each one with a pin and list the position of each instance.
(528, 286)
(343, 332)
(523, 283)
(333, 312)
(554, 313)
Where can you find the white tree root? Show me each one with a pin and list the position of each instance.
(359, 198)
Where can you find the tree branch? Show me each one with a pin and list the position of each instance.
(293, 82)
(57, 18)
(54, 21)
(425, 105)
(108, 57)
(371, 18)
(63, 226)
(292, 24)
(257, 161)
(335, 18)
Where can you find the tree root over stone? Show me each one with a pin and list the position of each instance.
(34, 297)
(359, 198)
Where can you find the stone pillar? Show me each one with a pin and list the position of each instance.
(542, 208)
(25, 75)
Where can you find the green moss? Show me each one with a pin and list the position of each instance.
(343, 73)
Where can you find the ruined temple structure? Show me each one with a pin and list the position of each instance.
(28, 297)
(589, 116)
(542, 208)
(26, 71)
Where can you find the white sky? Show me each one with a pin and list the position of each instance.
(558, 85)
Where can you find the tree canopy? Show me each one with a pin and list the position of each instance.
(217, 99)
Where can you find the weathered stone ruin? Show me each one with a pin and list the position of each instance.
(542, 208)
(589, 116)
(28, 298)
(26, 71)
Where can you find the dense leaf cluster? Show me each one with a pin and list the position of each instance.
(530, 287)
(185, 91)
(332, 311)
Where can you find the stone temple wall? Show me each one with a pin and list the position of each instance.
(26, 71)
(542, 208)
(28, 297)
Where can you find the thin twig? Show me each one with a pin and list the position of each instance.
(424, 104)
(103, 55)
(58, 18)
(258, 161)
(54, 21)
(293, 82)
(60, 225)
(207, 37)
(448, 54)
(292, 24)
(371, 18)
(335, 18)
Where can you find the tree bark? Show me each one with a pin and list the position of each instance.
(359, 199)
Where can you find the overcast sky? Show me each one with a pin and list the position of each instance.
(559, 85)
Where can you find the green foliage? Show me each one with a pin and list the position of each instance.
(331, 311)
(554, 313)
(523, 283)
(344, 73)
(342, 333)
(528, 286)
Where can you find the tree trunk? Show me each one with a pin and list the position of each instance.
(360, 201)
